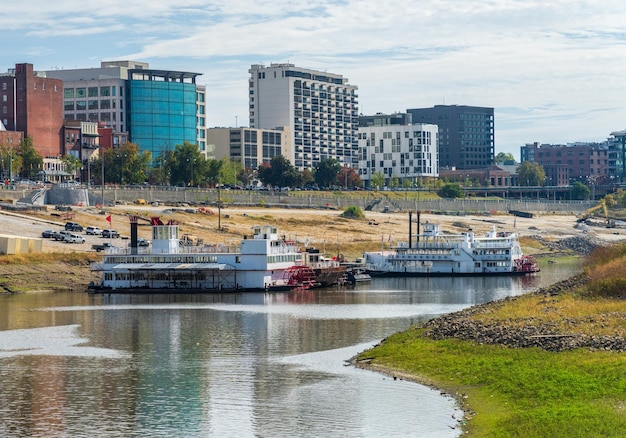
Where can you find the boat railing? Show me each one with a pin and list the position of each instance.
(283, 249)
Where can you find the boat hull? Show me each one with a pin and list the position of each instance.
(375, 273)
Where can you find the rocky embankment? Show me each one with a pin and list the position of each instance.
(467, 325)
(578, 244)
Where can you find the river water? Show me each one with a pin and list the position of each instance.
(227, 365)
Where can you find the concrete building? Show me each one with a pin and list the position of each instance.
(157, 108)
(565, 163)
(617, 156)
(405, 152)
(250, 146)
(33, 103)
(319, 108)
(466, 134)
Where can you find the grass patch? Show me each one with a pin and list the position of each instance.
(520, 392)
(352, 212)
(516, 392)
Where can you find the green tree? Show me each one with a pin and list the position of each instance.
(307, 177)
(326, 172)
(160, 171)
(530, 174)
(72, 164)
(279, 172)
(187, 165)
(125, 164)
(32, 161)
(230, 171)
(580, 191)
(377, 181)
(504, 157)
(10, 161)
(450, 190)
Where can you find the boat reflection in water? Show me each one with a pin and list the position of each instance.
(226, 364)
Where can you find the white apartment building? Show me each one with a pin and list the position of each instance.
(250, 146)
(319, 108)
(398, 151)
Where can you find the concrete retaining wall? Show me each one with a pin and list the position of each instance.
(192, 196)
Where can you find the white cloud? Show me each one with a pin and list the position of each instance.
(550, 68)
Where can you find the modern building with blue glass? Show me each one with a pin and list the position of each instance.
(162, 108)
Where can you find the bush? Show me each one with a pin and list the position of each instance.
(450, 190)
(609, 288)
(353, 212)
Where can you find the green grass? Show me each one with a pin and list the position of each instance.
(517, 392)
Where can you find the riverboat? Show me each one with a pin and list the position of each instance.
(435, 254)
(263, 261)
(328, 271)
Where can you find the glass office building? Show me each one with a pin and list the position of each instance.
(162, 109)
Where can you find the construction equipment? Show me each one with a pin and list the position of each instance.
(190, 240)
(610, 223)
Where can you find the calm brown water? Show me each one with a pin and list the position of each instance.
(240, 365)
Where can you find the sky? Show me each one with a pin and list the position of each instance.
(553, 70)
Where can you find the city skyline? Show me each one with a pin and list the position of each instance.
(549, 69)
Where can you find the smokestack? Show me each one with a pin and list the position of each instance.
(410, 229)
(418, 226)
(133, 234)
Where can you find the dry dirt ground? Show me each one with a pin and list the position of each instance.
(325, 229)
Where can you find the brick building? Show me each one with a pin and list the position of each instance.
(564, 163)
(33, 104)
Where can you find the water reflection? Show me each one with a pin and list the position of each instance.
(224, 365)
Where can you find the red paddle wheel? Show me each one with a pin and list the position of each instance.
(299, 277)
(526, 264)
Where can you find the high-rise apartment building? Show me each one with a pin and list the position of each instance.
(405, 152)
(33, 103)
(319, 108)
(617, 155)
(158, 108)
(466, 134)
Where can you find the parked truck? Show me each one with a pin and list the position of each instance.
(101, 246)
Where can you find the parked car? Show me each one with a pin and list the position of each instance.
(94, 231)
(73, 226)
(60, 235)
(74, 238)
(142, 242)
(48, 234)
(110, 233)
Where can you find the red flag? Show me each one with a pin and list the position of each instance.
(108, 218)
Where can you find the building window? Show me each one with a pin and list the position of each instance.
(105, 91)
(93, 104)
(68, 105)
(81, 92)
(92, 91)
(81, 105)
